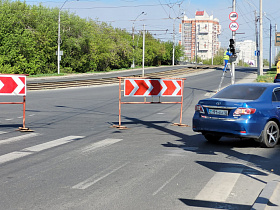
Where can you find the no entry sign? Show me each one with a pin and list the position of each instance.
(12, 85)
(152, 87)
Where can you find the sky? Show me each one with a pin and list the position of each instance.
(160, 17)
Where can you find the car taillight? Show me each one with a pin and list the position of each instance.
(244, 111)
(199, 108)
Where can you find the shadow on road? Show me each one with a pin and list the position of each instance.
(248, 164)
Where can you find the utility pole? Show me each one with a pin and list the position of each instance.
(143, 60)
(233, 37)
(58, 44)
(196, 45)
(261, 41)
(133, 30)
(212, 49)
(257, 42)
(133, 61)
(270, 47)
(275, 42)
(173, 57)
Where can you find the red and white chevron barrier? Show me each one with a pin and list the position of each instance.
(143, 87)
(152, 87)
(12, 84)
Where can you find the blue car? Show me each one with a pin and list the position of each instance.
(248, 110)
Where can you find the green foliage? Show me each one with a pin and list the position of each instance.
(168, 55)
(265, 62)
(218, 59)
(242, 63)
(29, 39)
(277, 58)
(268, 77)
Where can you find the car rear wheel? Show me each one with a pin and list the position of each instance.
(270, 134)
(211, 137)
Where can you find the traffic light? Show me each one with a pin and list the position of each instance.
(231, 46)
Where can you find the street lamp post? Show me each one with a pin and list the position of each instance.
(59, 40)
(58, 45)
(133, 62)
(270, 42)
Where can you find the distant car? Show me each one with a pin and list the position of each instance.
(277, 78)
(249, 110)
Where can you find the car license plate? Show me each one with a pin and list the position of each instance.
(218, 112)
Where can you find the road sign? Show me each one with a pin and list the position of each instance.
(12, 85)
(257, 53)
(277, 39)
(233, 16)
(233, 26)
(152, 87)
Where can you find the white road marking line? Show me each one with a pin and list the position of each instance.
(12, 156)
(103, 143)
(219, 186)
(209, 94)
(92, 180)
(168, 181)
(9, 119)
(50, 144)
(31, 150)
(18, 138)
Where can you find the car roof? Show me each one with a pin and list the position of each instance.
(260, 84)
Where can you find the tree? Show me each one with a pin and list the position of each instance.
(28, 42)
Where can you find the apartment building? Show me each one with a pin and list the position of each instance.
(199, 36)
(246, 53)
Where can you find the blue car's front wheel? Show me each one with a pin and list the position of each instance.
(270, 134)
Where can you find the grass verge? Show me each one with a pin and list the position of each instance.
(268, 77)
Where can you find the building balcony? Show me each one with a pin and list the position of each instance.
(203, 31)
(202, 47)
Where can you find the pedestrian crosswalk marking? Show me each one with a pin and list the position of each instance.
(50, 144)
(12, 156)
(103, 143)
(18, 138)
(37, 148)
(2, 132)
(220, 185)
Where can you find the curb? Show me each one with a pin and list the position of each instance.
(265, 196)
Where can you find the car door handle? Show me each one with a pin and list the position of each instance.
(278, 107)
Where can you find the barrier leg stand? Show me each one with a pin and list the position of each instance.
(181, 112)
(23, 128)
(120, 102)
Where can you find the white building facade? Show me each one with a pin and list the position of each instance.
(246, 53)
(199, 36)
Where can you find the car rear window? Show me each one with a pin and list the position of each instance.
(240, 92)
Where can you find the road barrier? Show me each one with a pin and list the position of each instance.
(14, 85)
(149, 87)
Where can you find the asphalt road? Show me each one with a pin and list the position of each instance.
(76, 160)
